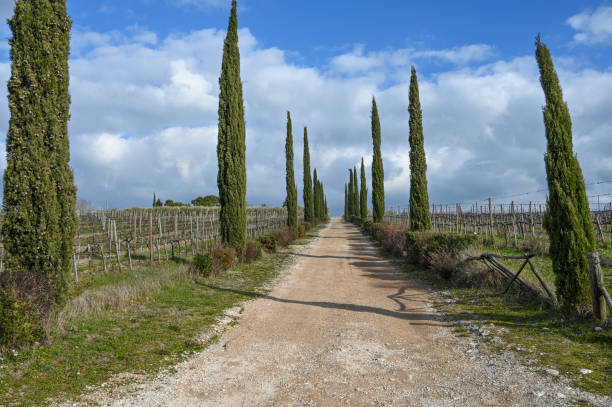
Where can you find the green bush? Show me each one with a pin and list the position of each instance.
(269, 243)
(19, 324)
(393, 239)
(203, 264)
(421, 246)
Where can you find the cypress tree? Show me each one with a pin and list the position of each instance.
(345, 201)
(308, 202)
(39, 199)
(378, 173)
(292, 212)
(231, 145)
(420, 218)
(356, 204)
(568, 219)
(154, 200)
(363, 194)
(315, 197)
(351, 192)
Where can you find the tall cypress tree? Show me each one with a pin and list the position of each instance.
(315, 196)
(420, 218)
(292, 213)
(356, 203)
(154, 200)
(345, 201)
(39, 193)
(378, 173)
(308, 202)
(363, 194)
(231, 145)
(351, 202)
(568, 219)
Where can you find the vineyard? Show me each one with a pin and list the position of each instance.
(120, 238)
(507, 224)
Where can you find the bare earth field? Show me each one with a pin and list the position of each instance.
(344, 328)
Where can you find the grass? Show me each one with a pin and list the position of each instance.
(532, 330)
(131, 322)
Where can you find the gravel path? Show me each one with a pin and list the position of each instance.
(345, 329)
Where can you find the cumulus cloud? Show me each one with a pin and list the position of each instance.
(593, 26)
(144, 118)
(358, 61)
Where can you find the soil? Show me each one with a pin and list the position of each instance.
(345, 328)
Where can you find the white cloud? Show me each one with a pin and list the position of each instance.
(593, 27)
(357, 61)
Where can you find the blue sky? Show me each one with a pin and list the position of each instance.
(144, 88)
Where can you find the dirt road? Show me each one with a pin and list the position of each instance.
(344, 329)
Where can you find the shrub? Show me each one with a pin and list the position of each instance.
(223, 256)
(421, 246)
(444, 263)
(19, 324)
(394, 239)
(307, 226)
(203, 264)
(301, 231)
(253, 251)
(376, 231)
(284, 236)
(268, 242)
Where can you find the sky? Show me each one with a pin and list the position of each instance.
(144, 88)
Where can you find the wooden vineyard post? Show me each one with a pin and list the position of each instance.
(117, 245)
(491, 222)
(598, 290)
(531, 221)
(129, 253)
(513, 223)
(457, 217)
(434, 217)
(134, 239)
(150, 238)
(76, 267)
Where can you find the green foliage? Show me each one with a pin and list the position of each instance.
(19, 324)
(308, 197)
(363, 194)
(292, 210)
(154, 200)
(378, 173)
(231, 145)
(171, 203)
(351, 189)
(346, 202)
(208, 200)
(39, 194)
(420, 218)
(269, 243)
(356, 202)
(568, 220)
(203, 264)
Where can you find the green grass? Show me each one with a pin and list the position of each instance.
(140, 322)
(533, 330)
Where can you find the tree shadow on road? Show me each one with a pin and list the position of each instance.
(407, 315)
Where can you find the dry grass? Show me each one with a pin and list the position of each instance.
(118, 295)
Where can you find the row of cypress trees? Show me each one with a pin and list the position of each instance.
(315, 202)
(419, 199)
